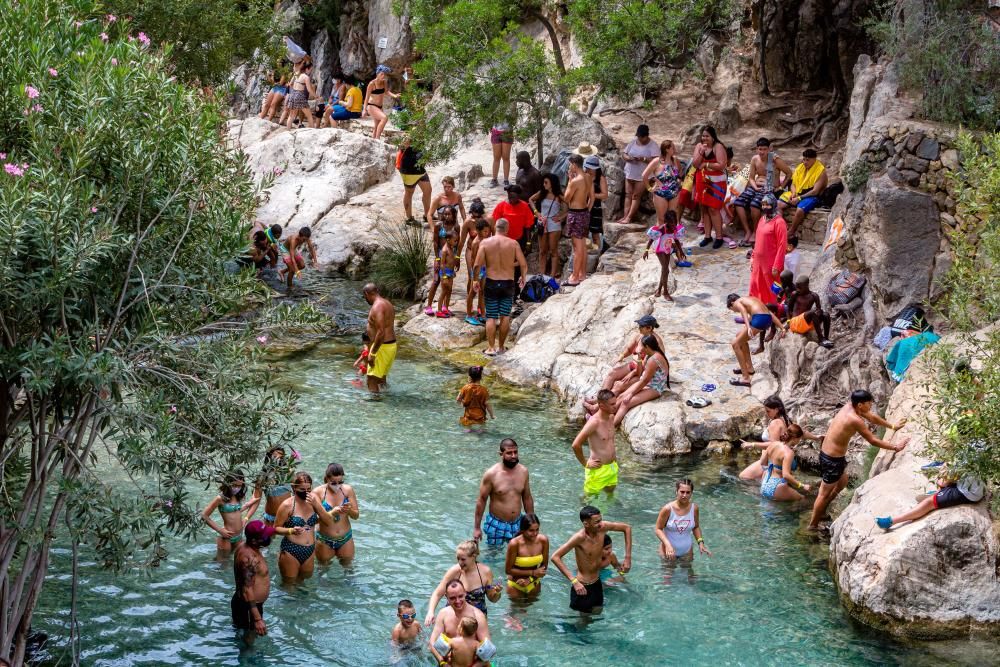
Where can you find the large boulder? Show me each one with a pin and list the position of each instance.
(569, 343)
(313, 170)
(932, 578)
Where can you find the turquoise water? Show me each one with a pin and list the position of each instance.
(765, 597)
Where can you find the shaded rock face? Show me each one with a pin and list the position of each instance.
(357, 53)
(324, 55)
(319, 170)
(384, 24)
(932, 578)
(569, 344)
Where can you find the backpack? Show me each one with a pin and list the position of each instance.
(844, 287)
(538, 288)
(829, 196)
(910, 317)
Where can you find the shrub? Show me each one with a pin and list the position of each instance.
(118, 206)
(947, 50)
(401, 260)
(967, 401)
(856, 175)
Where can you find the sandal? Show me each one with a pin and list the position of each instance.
(733, 245)
(736, 382)
(739, 371)
(471, 320)
(428, 311)
(490, 353)
(683, 264)
(698, 402)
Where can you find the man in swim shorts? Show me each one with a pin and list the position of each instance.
(579, 196)
(448, 624)
(809, 180)
(505, 487)
(495, 261)
(253, 582)
(587, 592)
(765, 171)
(601, 468)
(382, 331)
(851, 420)
(292, 257)
(756, 319)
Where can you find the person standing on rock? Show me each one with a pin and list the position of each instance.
(449, 197)
(528, 177)
(851, 420)
(381, 329)
(297, 101)
(505, 491)
(710, 159)
(579, 198)
(808, 182)
(768, 259)
(375, 96)
(496, 260)
(411, 170)
(637, 155)
(587, 592)
(601, 467)
(519, 215)
(756, 318)
(502, 140)
(592, 169)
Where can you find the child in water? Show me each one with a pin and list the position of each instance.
(405, 633)
(610, 567)
(476, 399)
(463, 648)
(361, 363)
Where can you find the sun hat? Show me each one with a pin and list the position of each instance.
(585, 149)
(592, 162)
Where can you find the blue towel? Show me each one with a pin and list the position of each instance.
(905, 351)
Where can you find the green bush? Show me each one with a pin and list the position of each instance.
(948, 51)
(856, 175)
(401, 260)
(118, 205)
(967, 402)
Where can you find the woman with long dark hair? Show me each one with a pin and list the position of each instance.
(710, 159)
(655, 379)
(234, 514)
(551, 210)
(527, 560)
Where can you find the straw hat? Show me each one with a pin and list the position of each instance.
(585, 149)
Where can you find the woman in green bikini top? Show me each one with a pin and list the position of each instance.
(235, 515)
(341, 503)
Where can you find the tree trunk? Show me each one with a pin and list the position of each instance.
(538, 135)
(593, 102)
(553, 37)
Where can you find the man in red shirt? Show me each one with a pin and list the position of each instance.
(518, 214)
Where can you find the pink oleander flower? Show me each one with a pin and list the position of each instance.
(104, 36)
(296, 455)
(37, 108)
(31, 92)
(24, 165)
(169, 503)
(53, 72)
(13, 169)
(3, 156)
(93, 209)
(261, 339)
(77, 23)
(143, 39)
(114, 61)
(173, 409)
(111, 18)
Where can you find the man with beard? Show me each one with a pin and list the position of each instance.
(253, 583)
(769, 252)
(448, 625)
(505, 485)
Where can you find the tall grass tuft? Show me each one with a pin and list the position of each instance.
(401, 260)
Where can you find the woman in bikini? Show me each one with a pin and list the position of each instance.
(450, 198)
(295, 521)
(231, 508)
(274, 469)
(340, 502)
(777, 461)
(655, 379)
(777, 421)
(375, 95)
(279, 90)
(527, 560)
(551, 209)
(298, 98)
(663, 174)
(475, 577)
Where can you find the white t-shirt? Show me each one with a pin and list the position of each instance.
(972, 488)
(792, 260)
(633, 170)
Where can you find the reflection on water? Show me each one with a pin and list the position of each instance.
(762, 599)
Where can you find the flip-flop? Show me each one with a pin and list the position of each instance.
(708, 388)
(683, 264)
(571, 284)
(733, 245)
(739, 383)
(490, 353)
(698, 402)
(428, 311)
(739, 371)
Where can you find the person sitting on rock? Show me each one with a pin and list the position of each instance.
(951, 492)
(624, 372)
(808, 183)
(766, 169)
(655, 380)
(349, 105)
(801, 302)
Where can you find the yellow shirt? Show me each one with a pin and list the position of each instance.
(353, 99)
(803, 178)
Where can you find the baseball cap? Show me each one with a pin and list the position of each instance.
(515, 188)
(642, 130)
(592, 162)
(648, 321)
(258, 531)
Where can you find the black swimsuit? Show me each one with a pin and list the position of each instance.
(301, 552)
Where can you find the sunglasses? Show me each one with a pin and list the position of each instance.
(408, 617)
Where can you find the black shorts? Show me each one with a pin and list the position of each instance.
(586, 603)
(242, 618)
(831, 468)
(949, 496)
(596, 220)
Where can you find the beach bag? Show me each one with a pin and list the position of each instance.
(910, 317)
(844, 287)
(295, 52)
(538, 288)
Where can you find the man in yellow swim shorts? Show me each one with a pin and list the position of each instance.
(601, 468)
(381, 329)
